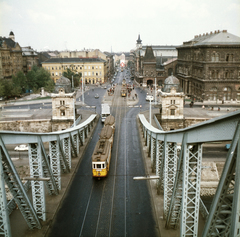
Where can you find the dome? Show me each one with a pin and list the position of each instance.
(11, 33)
(63, 81)
(170, 82)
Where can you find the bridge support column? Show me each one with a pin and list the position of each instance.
(153, 154)
(170, 165)
(36, 171)
(55, 162)
(67, 151)
(191, 190)
(159, 164)
(5, 229)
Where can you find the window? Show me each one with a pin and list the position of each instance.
(62, 102)
(76, 67)
(53, 74)
(60, 67)
(96, 67)
(100, 67)
(85, 73)
(60, 74)
(92, 67)
(52, 68)
(172, 102)
(96, 74)
(56, 67)
(98, 166)
(93, 73)
(89, 73)
(172, 111)
(89, 67)
(100, 73)
(62, 112)
(56, 73)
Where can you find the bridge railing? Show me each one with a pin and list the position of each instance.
(180, 174)
(46, 166)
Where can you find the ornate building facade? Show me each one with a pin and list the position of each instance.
(209, 67)
(171, 107)
(11, 56)
(160, 55)
(15, 58)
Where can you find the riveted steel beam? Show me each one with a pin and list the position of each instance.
(223, 218)
(15, 185)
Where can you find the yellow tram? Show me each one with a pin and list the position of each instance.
(101, 156)
(110, 121)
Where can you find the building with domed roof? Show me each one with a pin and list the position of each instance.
(172, 102)
(63, 82)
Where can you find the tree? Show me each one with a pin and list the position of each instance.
(72, 73)
(19, 82)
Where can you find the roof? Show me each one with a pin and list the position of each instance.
(139, 41)
(171, 80)
(216, 38)
(73, 60)
(149, 56)
(10, 43)
(63, 81)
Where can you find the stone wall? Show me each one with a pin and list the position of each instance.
(38, 126)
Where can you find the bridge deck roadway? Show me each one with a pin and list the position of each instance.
(19, 226)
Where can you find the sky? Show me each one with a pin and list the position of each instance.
(114, 26)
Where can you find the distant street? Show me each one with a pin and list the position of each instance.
(116, 205)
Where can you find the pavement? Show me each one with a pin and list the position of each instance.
(54, 202)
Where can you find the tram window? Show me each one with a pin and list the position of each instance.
(98, 166)
(103, 166)
(94, 166)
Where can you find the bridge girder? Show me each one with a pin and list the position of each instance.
(182, 199)
(62, 145)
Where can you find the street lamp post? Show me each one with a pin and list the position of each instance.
(82, 86)
(150, 113)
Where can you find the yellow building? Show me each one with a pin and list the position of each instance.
(94, 70)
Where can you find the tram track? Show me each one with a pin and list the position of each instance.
(118, 111)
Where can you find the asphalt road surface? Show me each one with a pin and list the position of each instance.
(115, 205)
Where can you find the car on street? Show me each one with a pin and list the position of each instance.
(21, 148)
(149, 98)
(96, 96)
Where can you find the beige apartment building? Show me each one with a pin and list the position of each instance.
(94, 70)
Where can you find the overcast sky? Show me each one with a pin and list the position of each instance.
(108, 24)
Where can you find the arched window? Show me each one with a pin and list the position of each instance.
(213, 93)
(227, 93)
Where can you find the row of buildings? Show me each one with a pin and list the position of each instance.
(207, 66)
(95, 66)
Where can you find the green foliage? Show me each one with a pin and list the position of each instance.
(72, 73)
(34, 80)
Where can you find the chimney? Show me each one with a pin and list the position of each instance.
(210, 32)
(195, 36)
(224, 31)
(200, 35)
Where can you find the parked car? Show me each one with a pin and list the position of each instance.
(149, 97)
(96, 96)
(227, 146)
(21, 148)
